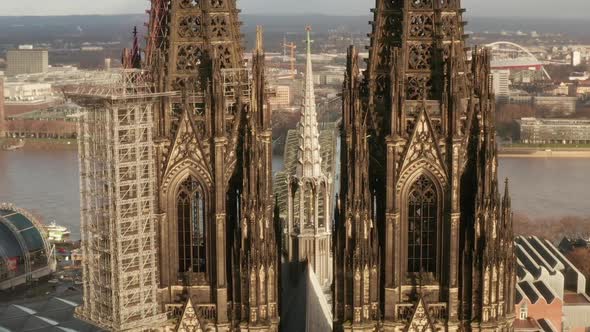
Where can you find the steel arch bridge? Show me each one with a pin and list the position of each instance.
(509, 55)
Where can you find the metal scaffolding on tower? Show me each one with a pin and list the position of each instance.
(117, 186)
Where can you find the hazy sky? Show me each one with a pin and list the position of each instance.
(523, 8)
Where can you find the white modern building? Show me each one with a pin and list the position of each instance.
(27, 92)
(576, 58)
(501, 83)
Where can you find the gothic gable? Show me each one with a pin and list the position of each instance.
(187, 151)
(423, 151)
(189, 322)
(421, 321)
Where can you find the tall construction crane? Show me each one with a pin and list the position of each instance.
(292, 58)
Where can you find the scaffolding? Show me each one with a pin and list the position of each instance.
(118, 191)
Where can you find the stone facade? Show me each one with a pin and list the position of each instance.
(309, 189)
(215, 204)
(424, 237)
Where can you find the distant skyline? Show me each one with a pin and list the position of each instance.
(512, 8)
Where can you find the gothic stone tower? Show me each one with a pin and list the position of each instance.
(443, 239)
(213, 155)
(308, 201)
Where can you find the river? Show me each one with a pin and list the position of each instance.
(46, 183)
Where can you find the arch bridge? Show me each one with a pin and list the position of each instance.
(509, 55)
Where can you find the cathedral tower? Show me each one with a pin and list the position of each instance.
(309, 189)
(444, 233)
(216, 238)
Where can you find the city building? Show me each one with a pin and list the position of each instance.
(550, 290)
(67, 76)
(576, 58)
(25, 253)
(501, 83)
(281, 96)
(204, 179)
(24, 92)
(554, 131)
(562, 89)
(556, 106)
(330, 75)
(309, 193)
(579, 76)
(26, 60)
(551, 106)
(59, 121)
(423, 237)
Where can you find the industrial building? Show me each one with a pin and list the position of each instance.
(554, 131)
(25, 253)
(27, 60)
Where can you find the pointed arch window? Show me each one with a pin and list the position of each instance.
(422, 226)
(192, 238)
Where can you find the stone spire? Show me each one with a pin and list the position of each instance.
(309, 216)
(309, 157)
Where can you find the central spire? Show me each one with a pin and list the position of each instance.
(309, 158)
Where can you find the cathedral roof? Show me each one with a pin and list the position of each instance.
(307, 305)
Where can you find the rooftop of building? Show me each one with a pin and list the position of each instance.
(544, 272)
(572, 298)
(64, 111)
(527, 325)
(28, 50)
(24, 249)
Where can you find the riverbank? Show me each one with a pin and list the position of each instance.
(515, 151)
(43, 143)
(534, 152)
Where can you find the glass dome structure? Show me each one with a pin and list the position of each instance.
(25, 253)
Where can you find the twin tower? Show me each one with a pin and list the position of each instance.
(423, 237)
